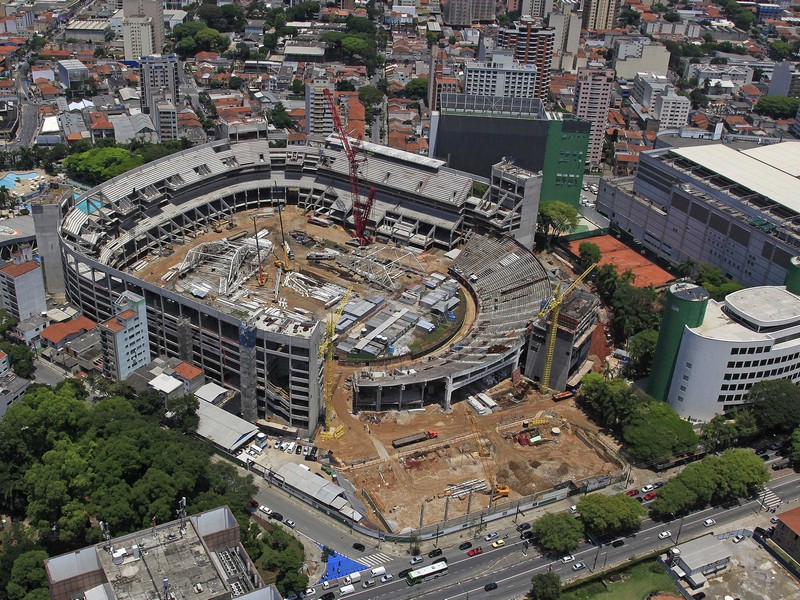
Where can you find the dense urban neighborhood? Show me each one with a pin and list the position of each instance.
(314, 300)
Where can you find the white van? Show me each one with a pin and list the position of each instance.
(348, 589)
(378, 571)
(290, 448)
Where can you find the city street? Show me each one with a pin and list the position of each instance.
(510, 566)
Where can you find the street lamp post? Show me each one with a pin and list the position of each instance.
(678, 537)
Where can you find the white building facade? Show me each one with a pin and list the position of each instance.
(503, 77)
(124, 340)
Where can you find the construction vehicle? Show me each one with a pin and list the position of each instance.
(414, 439)
(552, 308)
(326, 350)
(500, 491)
(361, 210)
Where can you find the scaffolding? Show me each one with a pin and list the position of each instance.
(382, 265)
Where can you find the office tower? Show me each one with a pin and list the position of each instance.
(531, 44)
(152, 9)
(160, 92)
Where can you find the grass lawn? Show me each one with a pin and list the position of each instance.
(636, 583)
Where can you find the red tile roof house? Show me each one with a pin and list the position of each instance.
(58, 334)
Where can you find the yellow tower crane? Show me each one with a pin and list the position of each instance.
(326, 351)
(552, 308)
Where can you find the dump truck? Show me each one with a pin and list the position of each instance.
(414, 439)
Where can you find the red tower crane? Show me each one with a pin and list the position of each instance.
(361, 210)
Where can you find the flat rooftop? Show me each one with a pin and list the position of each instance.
(765, 306)
(759, 169)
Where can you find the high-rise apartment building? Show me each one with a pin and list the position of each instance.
(537, 9)
(160, 92)
(319, 120)
(22, 286)
(601, 14)
(138, 37)
(672, 110)
(532, 44)
(124, 340)
(462, 13)
(565, 18)
(592, 100)
(152, 9)
(503, 77)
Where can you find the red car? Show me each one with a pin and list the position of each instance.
(649, 496)
(633, 492)
(475, 551)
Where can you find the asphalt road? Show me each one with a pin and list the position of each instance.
(510, 566)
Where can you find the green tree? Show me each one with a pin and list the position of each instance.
(279, 117)
(369, 95)
(345, 85)
(716, 282)
(589, 253)
(20, 357)
(634, 310)
(795, 447)
(417, 88)
(555, 219)
(28, 576)
(777, 107)
(780, 50)
(641, 347)
(611, 403)
(658, 433)
(609, 516)
(724, 431)
(297, 87)
(776, 405)
(235, 82)
(557, 533)
(184, 413)
(545, 586)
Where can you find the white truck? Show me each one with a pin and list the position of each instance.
(378, 571)
(352, 578)
(348, 589)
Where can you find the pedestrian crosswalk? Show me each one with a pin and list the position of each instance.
(768, 499)
(375, 559)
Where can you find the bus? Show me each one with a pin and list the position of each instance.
(433, 571)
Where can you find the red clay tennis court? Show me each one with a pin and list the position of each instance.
(623, 258)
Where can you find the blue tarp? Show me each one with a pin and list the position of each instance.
(339, 566)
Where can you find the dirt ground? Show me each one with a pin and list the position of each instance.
(402, 480)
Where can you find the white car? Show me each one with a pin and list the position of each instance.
(664, 535)
(578, 566)
(738, 538)
(709, 522)
(491, 536)
(567, 558)
(309, 592)
(648, 488)
(265, 509)
(387, 577)
(289, 523)
(416, 559)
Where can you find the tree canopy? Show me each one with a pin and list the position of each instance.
(555, 219)
(716, 479)
(609, 516)
(589, 253)
(657, 433)
(641, 347)
(417, 88)
(777, 107)
(776, 405)
(557, 533)
(545, 586)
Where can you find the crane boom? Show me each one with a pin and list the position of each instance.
(553, 307)
(326, 350)
(361, 211)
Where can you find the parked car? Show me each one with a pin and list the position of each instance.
(633, 492)
(617, 543)
(738, 538)
(309, 592)
(475, 551)
(659, 484)
(416, 559)
(289, 523)
(265, 509)
(578, 566)
(465, 546)
(664, 535)
(435, 553)
(648, 488)
(523, 527)
(491, 536)
(773, 520)
(328, 596)
(387, 577)
(709, 522)
(498, 543)
(649, 496)
(276, 515)
(359, 547)
(404, 572)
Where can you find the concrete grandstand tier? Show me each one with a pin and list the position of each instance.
(508, 285)
(113, 231)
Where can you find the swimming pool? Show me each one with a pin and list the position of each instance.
(10, 180)
(88, 206)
